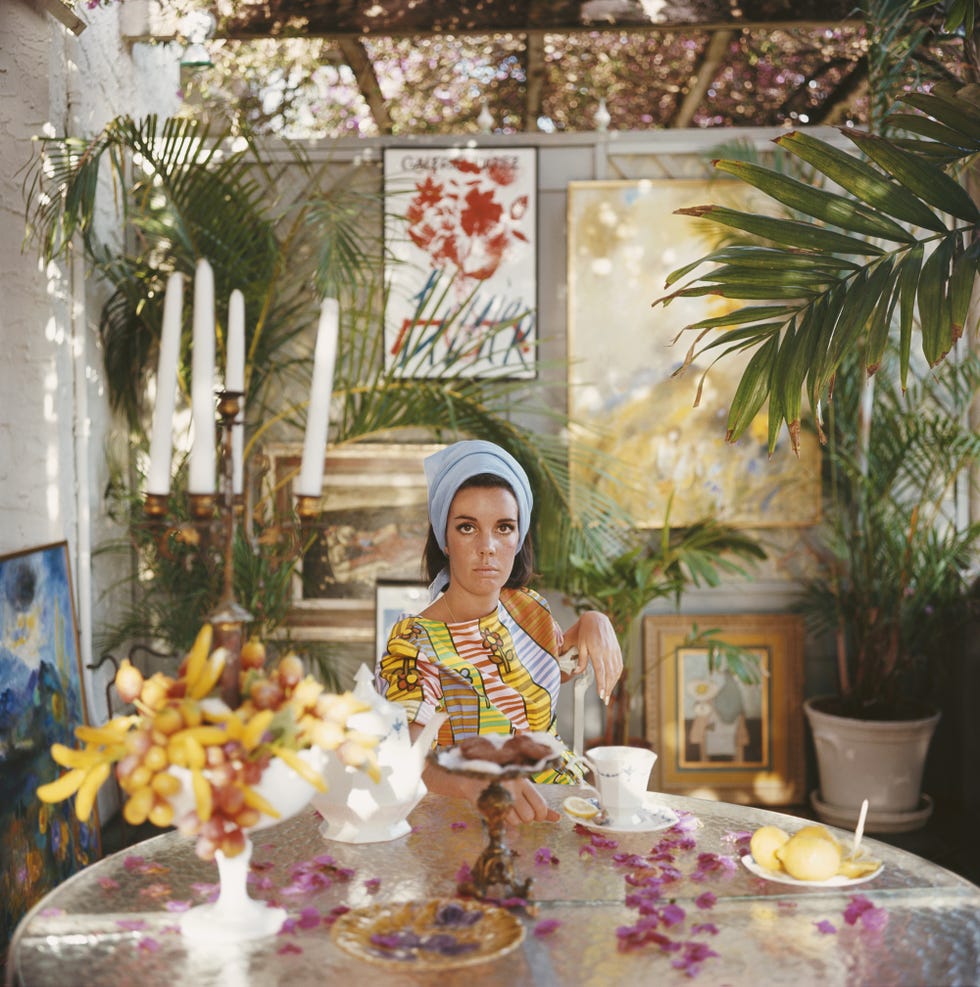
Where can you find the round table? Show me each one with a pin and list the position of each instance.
(606, 908)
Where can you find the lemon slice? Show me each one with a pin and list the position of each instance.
(580, 808)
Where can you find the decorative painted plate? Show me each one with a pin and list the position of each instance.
(432, 935)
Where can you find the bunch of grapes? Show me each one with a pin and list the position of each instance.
(182, 739)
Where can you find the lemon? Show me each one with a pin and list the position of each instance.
(765, 842)
(815, 829)
(853, 867)
(809, 857)
(580, 808)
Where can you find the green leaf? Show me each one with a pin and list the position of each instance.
(829, 207)
(749, 313)
(951, 142)
(960, 289)
(924, 179)
(752, 390)
(878, 331)
(794, 234)
(908, 280)
(861, 179)
(934, 315)
(950, 112)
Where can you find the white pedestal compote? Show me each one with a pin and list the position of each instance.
(235, 916)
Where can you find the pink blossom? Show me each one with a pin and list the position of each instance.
(288, 947)
(148, 945)
(546, 926)
(177, 906)
(544, 855)
(707, 900)
(457, 825)
(709, 928)
(826, 928)
(464, 874)
(872, 918)
(372, 884)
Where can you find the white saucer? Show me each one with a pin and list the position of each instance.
(649, 819)
(837, 881)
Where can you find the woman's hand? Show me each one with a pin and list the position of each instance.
(596, 640)
(529, 804)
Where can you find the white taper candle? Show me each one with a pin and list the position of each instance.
(202, 456)
(310, 482)
(161, 433)
(235, 381)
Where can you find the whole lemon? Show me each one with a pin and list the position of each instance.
(815, 829)
(809, 857)
(765, 842)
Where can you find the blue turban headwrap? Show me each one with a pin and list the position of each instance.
(448, 469)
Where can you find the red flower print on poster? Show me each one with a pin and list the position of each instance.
(462, 281)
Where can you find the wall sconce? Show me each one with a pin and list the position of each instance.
(197, 27)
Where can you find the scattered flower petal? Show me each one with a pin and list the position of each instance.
(288, 947)
(825, 927)
(457, 825)
(707, 900)
(543, 855)
(546, 926)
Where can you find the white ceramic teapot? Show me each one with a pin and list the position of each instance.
(356, 809)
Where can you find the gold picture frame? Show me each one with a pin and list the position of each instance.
(716, 737)
(371, 526)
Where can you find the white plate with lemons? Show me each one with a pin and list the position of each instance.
(649, 819)
(781, 877)
(812, 857)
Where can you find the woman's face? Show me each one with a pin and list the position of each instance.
(482, 539)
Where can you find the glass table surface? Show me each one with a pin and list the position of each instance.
(605, 908)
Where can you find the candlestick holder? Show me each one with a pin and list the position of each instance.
(213, 522)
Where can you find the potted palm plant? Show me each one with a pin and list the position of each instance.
(892, 587)
(862, 253)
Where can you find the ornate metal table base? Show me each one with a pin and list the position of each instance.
(492, 876)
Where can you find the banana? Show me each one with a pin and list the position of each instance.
(256, 801)
(206, 735)
(69, 757)
(203, 797)
(109, 733)
(301, 767)
(61, 788)
(208, 678)
(198, 655)
(255, 729)
(89, 788)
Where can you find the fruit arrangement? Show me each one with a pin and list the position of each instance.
(179, 724)
(813, 853)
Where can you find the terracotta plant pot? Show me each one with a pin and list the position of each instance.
(881, 761)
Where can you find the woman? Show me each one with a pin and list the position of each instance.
(486, 650)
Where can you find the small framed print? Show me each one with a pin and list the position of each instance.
(393, 599)
(717, 734)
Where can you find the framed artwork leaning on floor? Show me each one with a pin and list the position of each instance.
(42, 700)
(724, 705)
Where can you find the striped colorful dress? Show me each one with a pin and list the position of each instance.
(496, 674)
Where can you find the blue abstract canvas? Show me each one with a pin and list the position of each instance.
(42, 700)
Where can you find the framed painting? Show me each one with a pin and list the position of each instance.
(653, 447)
(461, 262)
(371, 526)
(724, 705)
(393, 599)
(42, 700)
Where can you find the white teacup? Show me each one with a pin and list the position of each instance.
(621, 776)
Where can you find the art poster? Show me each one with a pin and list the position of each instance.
(656, 447)
(461, 267)
(42, 700)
